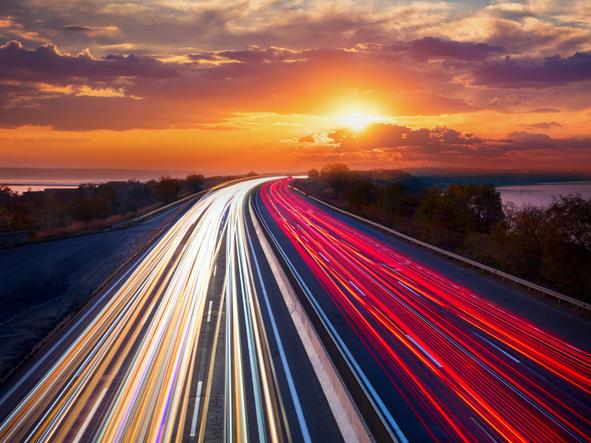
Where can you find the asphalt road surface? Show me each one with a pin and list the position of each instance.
(42, 283)
(194, 341)
(440, 361)
(185, 346)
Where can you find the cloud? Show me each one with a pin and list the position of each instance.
(47, 63)
(433, 48)
(525, 72)
(543, 110)
(543, 125)
(536, 34)
(438, 145)
(422, 77)
(391, 136)
(278, 80)
(99, 32)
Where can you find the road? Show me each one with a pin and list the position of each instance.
(196, 341)
(66, 272)
(438, 360)
(185, 346)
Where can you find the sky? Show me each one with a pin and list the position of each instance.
(273, 85)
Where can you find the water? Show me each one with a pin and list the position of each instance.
(38, 179)
(541, 194)
(24, 185)
(19, 189)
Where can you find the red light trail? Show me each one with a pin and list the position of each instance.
(466, 368)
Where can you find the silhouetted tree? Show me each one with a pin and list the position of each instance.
(336, 175)
(195, 183)
(398, 200)
(313, 174)
(167, 189)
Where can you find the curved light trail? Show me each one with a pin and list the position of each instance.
(463, 368)
(127, 376)
(438, 361)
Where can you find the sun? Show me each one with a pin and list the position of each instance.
(357, 121)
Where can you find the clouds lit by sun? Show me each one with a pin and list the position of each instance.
(203, 85)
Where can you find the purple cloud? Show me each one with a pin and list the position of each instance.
(433, 47)
(388, 136)
(47, 63)
(518, 73)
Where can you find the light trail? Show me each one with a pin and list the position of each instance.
(127, 375)
(465, 369)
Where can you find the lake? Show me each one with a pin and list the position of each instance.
(19, 189)
(23, 185)
(541, 194)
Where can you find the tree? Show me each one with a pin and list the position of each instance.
(462, 208)
(195, 182)
(167, 189)
(566, 240)
(399, 200)
(360, 191)
(313, 174)
(336, 175)
(523, 246)
(571, 216)
(7, 195)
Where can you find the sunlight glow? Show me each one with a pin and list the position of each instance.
(357, 120)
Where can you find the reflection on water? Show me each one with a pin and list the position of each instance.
(19, 189)
(21, 185)
(542, 194)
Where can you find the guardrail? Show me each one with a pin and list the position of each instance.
(529, 285)
(370, 412)
(348, 417)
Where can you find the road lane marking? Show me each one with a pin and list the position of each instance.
(358, 289)
(215, 270)
(497, 347)
(418, 294)
(382, 410)
(209, 311)
(324, 257)
(433, 359)
(282, 355)
(196, 411)
(483, 429)
(90, 416)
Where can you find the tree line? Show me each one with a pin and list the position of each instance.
(90, 205)
(548, 245)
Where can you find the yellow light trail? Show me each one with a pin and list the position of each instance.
(133, 360)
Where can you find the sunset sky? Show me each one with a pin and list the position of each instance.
(271, 85)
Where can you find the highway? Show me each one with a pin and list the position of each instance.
(198, 341)
(439, 361)
(183, 347)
